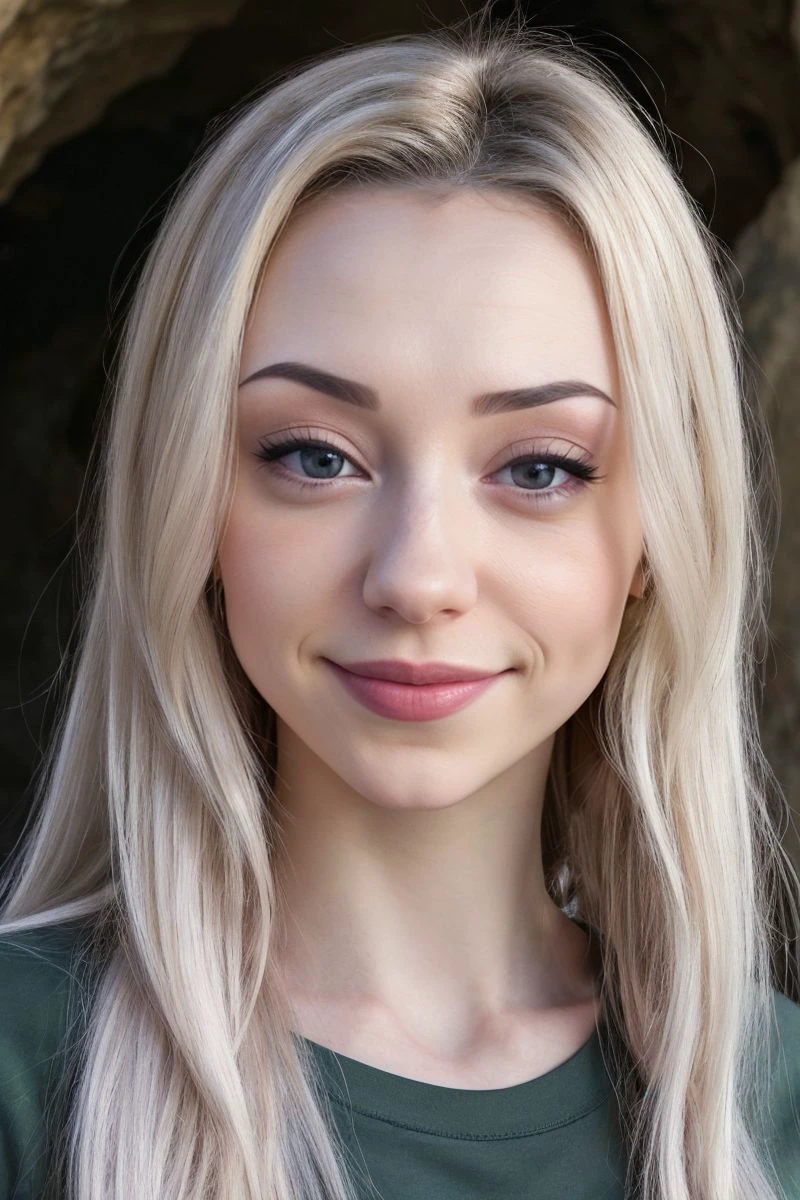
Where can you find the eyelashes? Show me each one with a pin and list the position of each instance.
(581, 470)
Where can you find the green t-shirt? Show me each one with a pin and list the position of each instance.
(552, 1137)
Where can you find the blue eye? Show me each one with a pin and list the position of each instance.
(311, 452)
(318, 454)
(580, 470)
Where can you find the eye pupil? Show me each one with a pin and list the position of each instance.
(319, 452)
(532, 469)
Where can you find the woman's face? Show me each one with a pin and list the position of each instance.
(431, 528)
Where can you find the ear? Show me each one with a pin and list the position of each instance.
(637, 583)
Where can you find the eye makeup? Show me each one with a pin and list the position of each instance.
(308, 448)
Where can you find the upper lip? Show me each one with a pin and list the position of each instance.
(408, 672)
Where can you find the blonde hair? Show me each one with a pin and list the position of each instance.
(154, 807)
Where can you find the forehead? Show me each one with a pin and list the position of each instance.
(425, 275)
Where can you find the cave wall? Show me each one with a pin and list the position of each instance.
(102, 103)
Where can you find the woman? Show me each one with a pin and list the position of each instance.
(432, 361)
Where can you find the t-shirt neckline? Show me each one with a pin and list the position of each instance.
(568, 1091)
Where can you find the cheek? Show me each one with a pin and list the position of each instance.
(595, 615)
(279, 572)
(269, 562)
(574, 602)
(265, 576)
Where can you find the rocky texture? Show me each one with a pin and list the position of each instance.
(62, 61)
(722, 72)
(768, 256)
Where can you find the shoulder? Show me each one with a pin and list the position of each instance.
(782, 1104)
(785, 1047)
(40, 956)
(39, 969)
(40, 981)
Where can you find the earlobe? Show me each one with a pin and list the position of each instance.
(637, 583)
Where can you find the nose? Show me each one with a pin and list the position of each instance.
(423, 561)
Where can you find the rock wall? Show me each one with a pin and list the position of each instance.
(768, 256)
(61, 62)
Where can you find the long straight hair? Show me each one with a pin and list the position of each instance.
(154, 813)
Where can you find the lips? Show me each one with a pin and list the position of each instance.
(398, 671)
(413, 702)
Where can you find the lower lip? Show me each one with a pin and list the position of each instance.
(410, 701)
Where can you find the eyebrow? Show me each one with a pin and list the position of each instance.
(485, 404)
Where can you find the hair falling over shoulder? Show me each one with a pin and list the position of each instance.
(154, 807)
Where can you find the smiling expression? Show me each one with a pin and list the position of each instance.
(432, 466)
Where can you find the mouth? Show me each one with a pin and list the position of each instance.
(401, 701)
(418, 674)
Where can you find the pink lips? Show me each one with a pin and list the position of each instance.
(409, 701)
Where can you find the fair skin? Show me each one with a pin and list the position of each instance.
(420, 936)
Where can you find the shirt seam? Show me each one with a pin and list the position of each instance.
(470, 1137)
